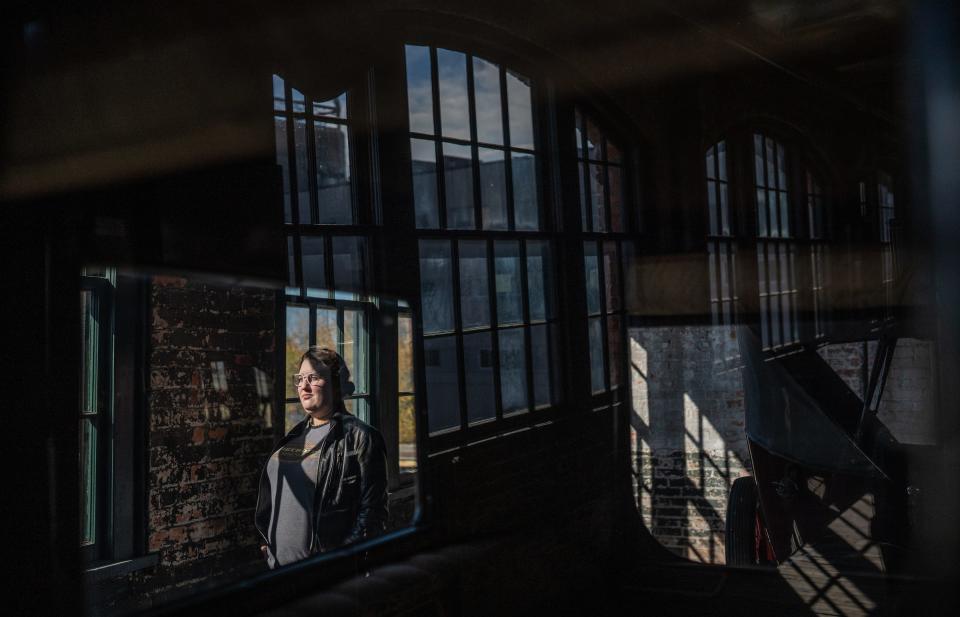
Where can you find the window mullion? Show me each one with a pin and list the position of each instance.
(507, 154)
(494, 326)
(311, 139)
(474, 148)
(525, 312)
(458, 332)
(604, 333)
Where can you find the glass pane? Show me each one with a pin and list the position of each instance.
(419, 89)
(333, 108)
(303, 178)
(520, 111)
(458, 189)
(525, 203)
(88, 481)
(578, 132)
(405, 381)
(513, 370)
(454, 108)
(299, 102)
(784, 216)
(493, 189)
(722, 160)
(758, 159)
(724, 210)
(761, 212)
(594, 142)
(328, 332)
(474, 295)
(355, 348)
(618, 219)
(408, 434)
(781, 169)
(280, 135)
(436, 286)
(711, 163)
(443, 392)
(712, 207)
(541, 357)
(90, 335)
(595, 331)
(423, 157)
(333, 174)
(591, 266)
(597, 183)
(313, 264)
(279, 98)
(507, 269)
(486, 83)
(478, 369)
(539, 280)
(585, 218)
(349, 263)
(615, 349)
(611, 276)
(297, 342)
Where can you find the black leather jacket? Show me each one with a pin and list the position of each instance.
(350, 502)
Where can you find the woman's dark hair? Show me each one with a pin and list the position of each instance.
(339, 373)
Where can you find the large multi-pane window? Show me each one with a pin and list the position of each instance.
(604, 219)
(485, 249)
(776, 248)
(329, 232)
(721, 242)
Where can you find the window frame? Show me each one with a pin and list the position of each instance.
(625, 241)
(121, 468)
(549, 231)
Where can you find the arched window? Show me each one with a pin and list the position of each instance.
(776, 248)
(721, 243)
(604, 216)
(485, 247)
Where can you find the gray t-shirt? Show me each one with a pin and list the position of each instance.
(292, 472)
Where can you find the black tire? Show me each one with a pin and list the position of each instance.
(740, 539)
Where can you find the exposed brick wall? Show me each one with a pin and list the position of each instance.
(907, 406)
(688, 440)
(209, 410)
(210, 415)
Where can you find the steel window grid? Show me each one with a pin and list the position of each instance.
(600, 238)
(501, 421)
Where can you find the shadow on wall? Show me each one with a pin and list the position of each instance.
(687, 434)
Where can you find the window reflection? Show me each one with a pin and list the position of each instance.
(489, 183)
(513, 370)
(478, 372)
(452, 83)
(443, 393)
